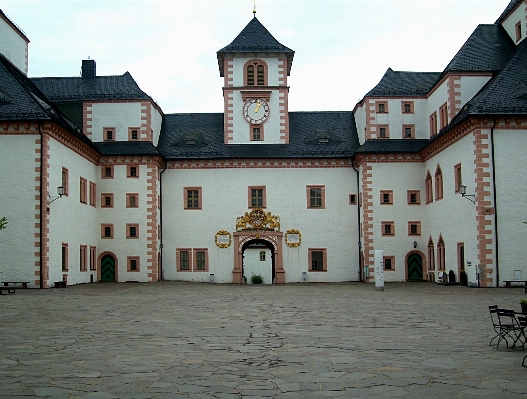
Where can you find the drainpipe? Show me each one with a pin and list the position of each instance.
(41, 228)
(358, 219)
(495, 202)
(161, 218)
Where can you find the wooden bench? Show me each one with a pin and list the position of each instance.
(509, 282)
(10, 290)
(23, 283)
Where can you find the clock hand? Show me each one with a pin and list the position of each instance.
(258, 105)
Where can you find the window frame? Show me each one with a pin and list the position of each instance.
(386, 131)
(353, 199)
(129, 170)
(178, 259)
(129, 227)
(103, 172)
(103, 200)
(324, 253)
(518, 31)
(195, 260)
(433, 124)
(409, 194)
(403, 104)
(428, 188)
(65, 180)
(443, 116)
(250, 190)
(412, 131)
(417, 224)
(129, 260)
(103, 231)
(391, 225)
(130, 133)
(255, 63)
(438, 179)
(261, 134)
(458, 177)
(93, 194)
(105, 131)
(322, 189)
(83, 188)
(383, 194)
(381, 107)
(93, 257)
(83, 258)
(186, 191)
(136, 199)
(390, 258)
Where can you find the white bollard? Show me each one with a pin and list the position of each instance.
(379, 270)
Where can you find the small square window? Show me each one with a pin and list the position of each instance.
(317, 260)
(107, 172)
(408, 107)
(107, 231)
(256, 134)
(389, 262)
(387, 197)
(383, 132)
(414, 197)
(132, 200)
(106, 200)
(257, 197)
(133, 263)
(183, 259)
(132, 231)
(408, 131)
(414, 228)
(382, 107)
(388, 228)
(192, 197)
(353, 199)
(109, 134)
(133, 134)
(133, 171)
(316, 197)
(201, 262)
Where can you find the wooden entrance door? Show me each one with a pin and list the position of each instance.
(415, 267)
(107, 268)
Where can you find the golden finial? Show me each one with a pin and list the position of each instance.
(254, 8)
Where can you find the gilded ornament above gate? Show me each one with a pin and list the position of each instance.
(258, 220)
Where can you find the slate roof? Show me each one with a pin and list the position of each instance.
(397, 83)
(487, 49)
(121, 87)
(392, 146)
(255, 38)
(507, 10)
(205, 131)
(21, 100)
(126, 148)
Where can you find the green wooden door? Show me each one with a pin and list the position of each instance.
(107, 268)
(415, 267)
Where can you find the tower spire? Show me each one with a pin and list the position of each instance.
(254, 8)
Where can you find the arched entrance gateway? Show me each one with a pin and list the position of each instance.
(258, 228)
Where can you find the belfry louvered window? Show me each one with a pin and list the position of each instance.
(250, 75)
(260, 80)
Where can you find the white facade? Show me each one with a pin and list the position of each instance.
(14, 44)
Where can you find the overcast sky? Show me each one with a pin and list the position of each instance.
(342, 48)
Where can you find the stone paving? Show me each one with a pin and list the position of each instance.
(203, 341)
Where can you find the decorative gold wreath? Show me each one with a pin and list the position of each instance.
(223, 233)
(293, 244)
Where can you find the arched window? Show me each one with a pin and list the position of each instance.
(440, 253)
(255, 73)
(439, 183)
(431, 254)
(262, 256)
(428, 185)
(250, 75)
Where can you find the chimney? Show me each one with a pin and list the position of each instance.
(88, 69)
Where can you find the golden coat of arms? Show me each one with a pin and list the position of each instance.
(257, 219)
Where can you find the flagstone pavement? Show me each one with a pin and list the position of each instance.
(202, 341)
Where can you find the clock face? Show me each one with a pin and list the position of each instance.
(256, 111)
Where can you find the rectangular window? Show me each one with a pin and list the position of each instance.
(353, 199)
(386, 197)
(106, 200)
(439, 184)
(132, 263)
(201, 261)
(109, 134)
(132, 171)
(317, 259)
(383, 132)
(183, 259)
(83, 261)
(93, 258)
(428, 187)
(414, 228)
(133, 134)
(132, 200)
(443, 116)
(407, 107)
(388, 228)
(457, 176)
(65, 181)
(382, 107)
(107, 172)
(433, 124)
(64, 256)
(106, 230)
(413, 197)
(408, 131)
(440, 257)
(316, 197)
(83, 190)
(431, 257)
(192, 197)
(257, 132)
(93, 193)
(518, 29)
(132, 230)
(388, 262)
(257, 196)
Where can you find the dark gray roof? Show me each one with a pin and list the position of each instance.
(21, 100)
(487, 49)
(508, 9)
(255, 38)
(397, 83)
(121, 87)
(126, 148)
(205, 132)
(392, 146)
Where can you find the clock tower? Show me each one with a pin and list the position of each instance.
(255, 67)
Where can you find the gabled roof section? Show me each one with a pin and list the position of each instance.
(132, 148)
(392, 146)
(21, 100)
(304, 129)
(15, 26)
(255, 38)
(512, 5)
(487, 49)
(397, 83)
(122, 87)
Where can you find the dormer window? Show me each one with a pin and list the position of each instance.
(256, 73)
(323, 140)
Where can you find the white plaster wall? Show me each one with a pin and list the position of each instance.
(470, 85)
(518, 15)
(17, 204)
(395, 117)
(510, 150)
(253, 265)
(13, 46)
(121, 116)
(70, 221)
(272, 68)
(157, 120)
(438, 98)
(225, 197)
(119, 216)
(360, 121)
(453, 216)
(398, 177)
